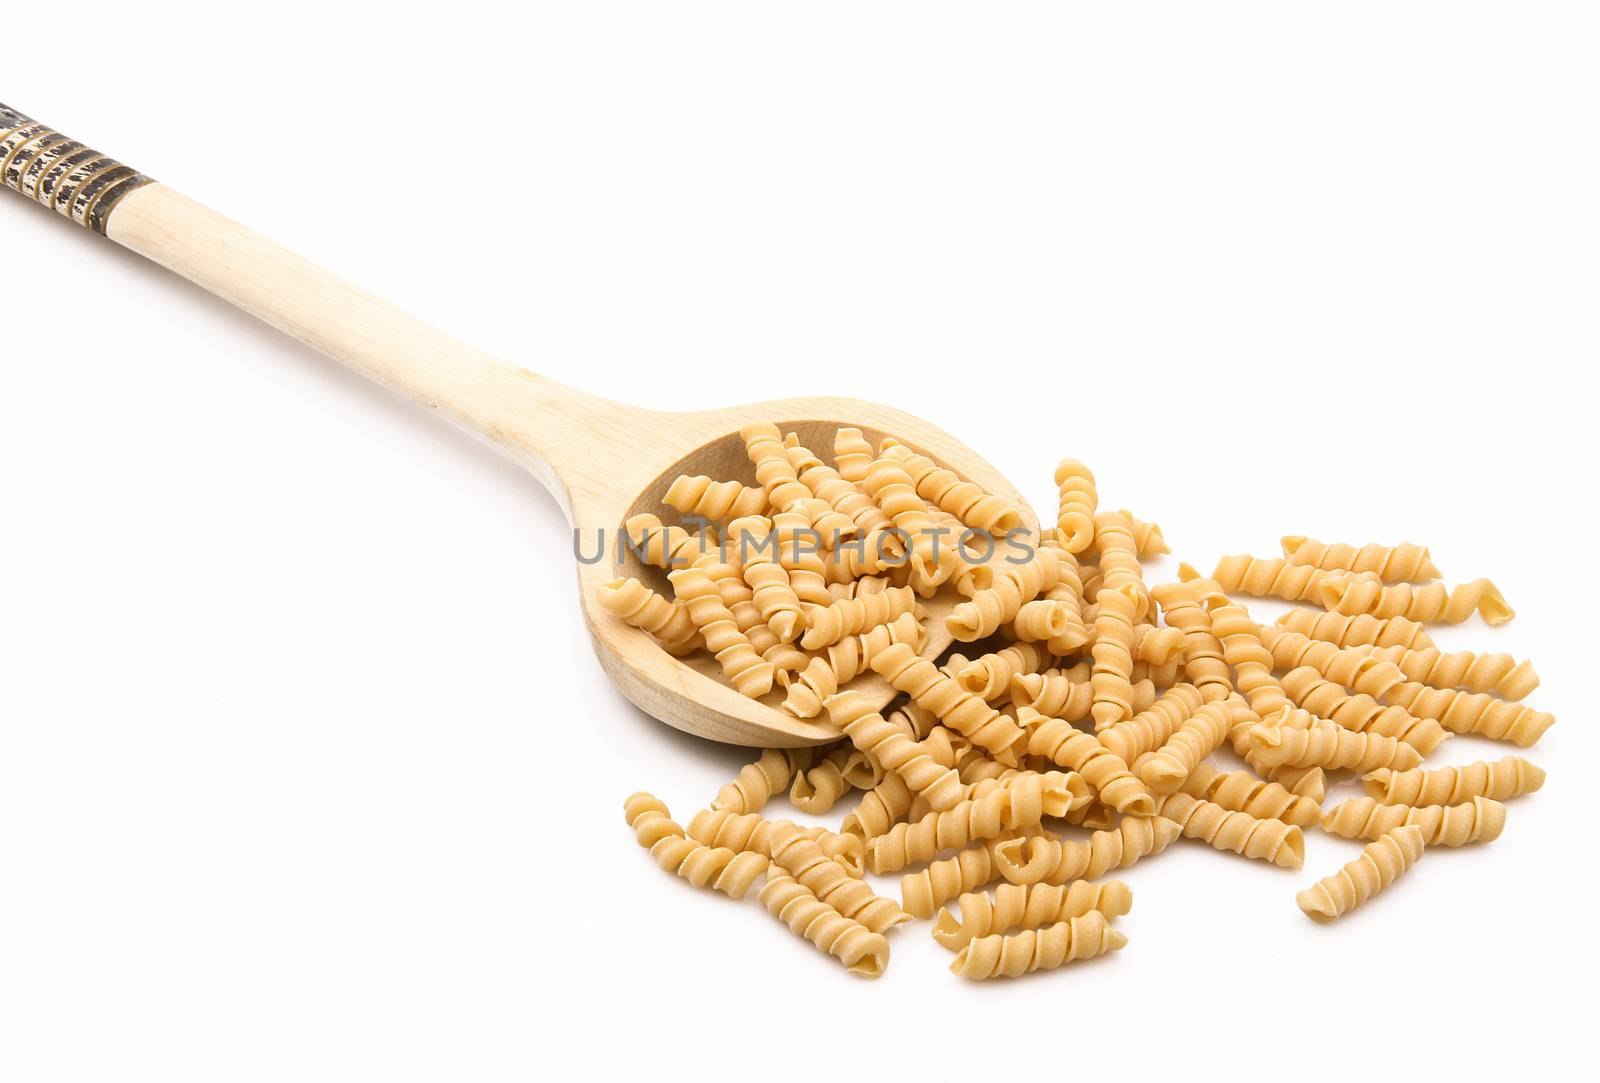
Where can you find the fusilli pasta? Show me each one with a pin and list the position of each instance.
(1380, 864)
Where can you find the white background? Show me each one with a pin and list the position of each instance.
(306, 769)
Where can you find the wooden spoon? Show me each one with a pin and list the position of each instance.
(603, 461)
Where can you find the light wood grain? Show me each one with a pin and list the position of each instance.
(602, 460)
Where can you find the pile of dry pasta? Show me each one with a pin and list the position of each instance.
(1071, 737)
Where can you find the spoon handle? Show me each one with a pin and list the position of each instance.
(523, 414)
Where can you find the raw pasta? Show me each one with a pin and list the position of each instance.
(1361, 713)
(1112, 676)
(1364, 592)
(945, 489)
(1269, 577)
(1166, 768)
(1357, 669)
(1022, 800)
(1242, 791)
(989, 676)
(707, 498)
(1401, 563)
(861, 950)
(1498, 674)
(1046, 859)
(724, 870)
(1203, 662)
(922, 893)
(1075, 517)
(983, 614)
(955, 706)
(1477, 820)
(1472, 712)
(751, 674)
(1327, 744)
(1227, 829)
(1105, 772)
(1028, 906)
(1081, 937)
(1357, 631)
(1380, 864)
(872, 734)
(1153, 727)
(643, 608)
(1511, 776)
(805, 860)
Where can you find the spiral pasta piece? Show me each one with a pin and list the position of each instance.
(721, 869)
(643, 608)
(1260, 839)
(982, 615)
(665, 547)
(1147, 538)
(1393, 564)
(1076, 505)
(842, 662)
(1153, 727)
(861, 950)
(1040, 621)
(989, 676)
(756, 782)
(1329, 745)
(880, 808)
(924, 892)
(1112, 651)
(870, 732)
(1380, 864)
(864, 517)
(1473, 712)
(1027, 906)
(1106, 773)
(851, 454)
(764, 445)
(1046, 859)
(1061, 693)
(1477, 820)
(751, 674)
(975, 507)
(932, 561)
(1083, 937)
(1119, 557)
(1022, 800)
(707, 498)
(851, 616)
(1355, 668)
(1498, 674)
(805, 860)
(1269, 577)
(1353, 593)
(1511, 776)
(1357, 631)
(1244, 651)
(1203, 663)
(816, 789)
(953, 705)
(1242, 791)
(748, 832)
(1361, 712)
(831, 522)
(1165, 769)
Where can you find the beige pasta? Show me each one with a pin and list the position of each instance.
(841, 662)
(1360, 712)
(1242, 791)
(989, 677)
(1119, 558)
(1393, 564)
(1353, 593)
(1358, 631)
(816, 789)
(756, 782)
(1062, 693)
(1380, 864)
(826, 625)
(724, 870)
(643, 608)
(861, 950)
(1153, 727)
(1166, 768)
(666, 547)
(983, 614)
(955, 706)
(1328, 745)
(751, 674)
(1046, 859)
(885, 805)
(1477, 820)
(1244, 650)
(1106, 773)
(1022, 800)
(1269, 577)
(1203, 662)
(943, 488)
(1509, 777)
(940, 786)
(1076, 507)
(1112, 651)
(1354, 667)
(1239, 832)
(1028, 906)
(932, 560)
(707, 498)
(1083, 937)
(1147, 538)
(1497, 674)
(764, 445)
(806, 861)
(923, 892)
(852, 454)
(1473, 712)
(748, 832)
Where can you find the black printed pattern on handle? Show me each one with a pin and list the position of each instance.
(62, 173)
